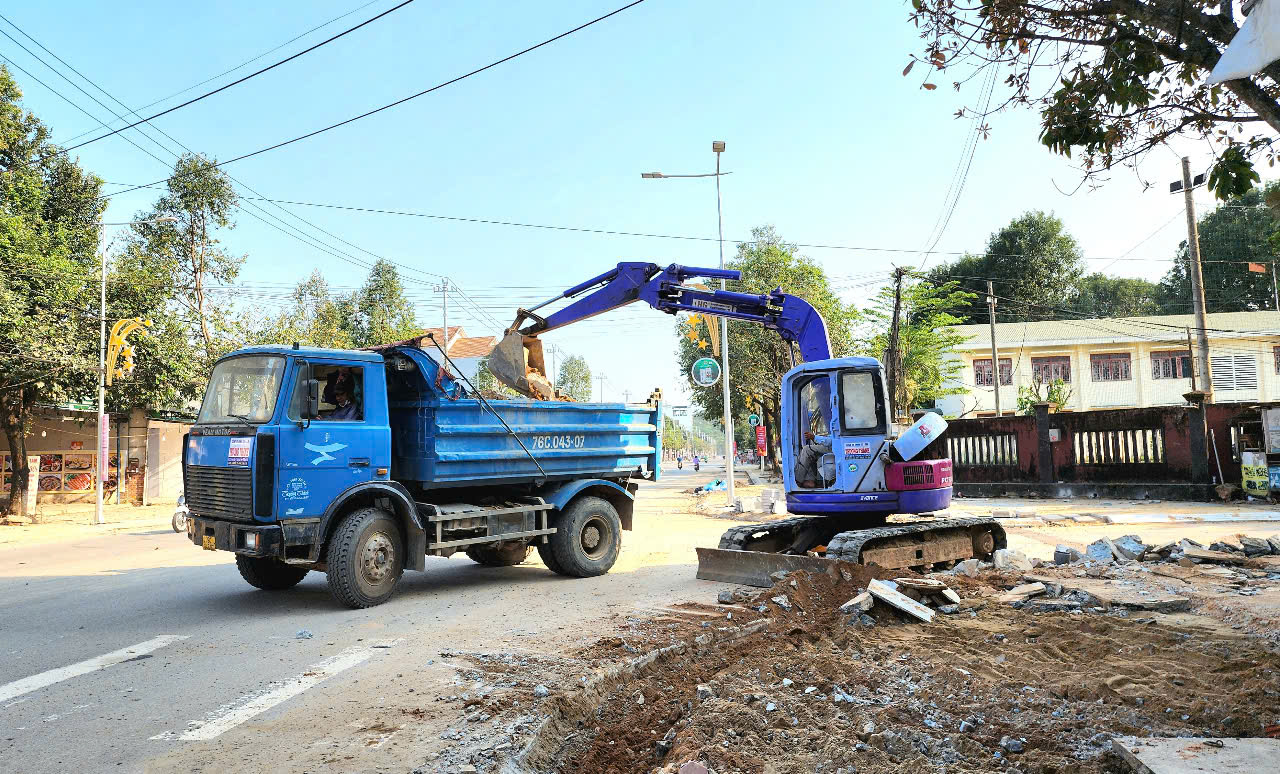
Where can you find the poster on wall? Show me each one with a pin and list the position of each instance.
(1255, 478)
(71, 470)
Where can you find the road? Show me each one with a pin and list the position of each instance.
(136, 651)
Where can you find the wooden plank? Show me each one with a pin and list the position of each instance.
(1199, 755)
(885, 593)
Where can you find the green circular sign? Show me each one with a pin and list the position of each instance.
(705, 372)
(754, 420)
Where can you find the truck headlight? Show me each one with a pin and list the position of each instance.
(251, 541)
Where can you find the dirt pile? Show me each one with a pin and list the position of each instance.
(802, 687)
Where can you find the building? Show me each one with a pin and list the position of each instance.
(1116, 363)
(466, 352)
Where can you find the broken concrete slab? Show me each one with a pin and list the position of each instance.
(969, 567)
(1020, 593)
(1131, 547)
(1108, 594)
(1268, 563)
(1274, 541)
(1198, 754)
(1255, 546)
(859, 604)
(1052, 605)
(1203, 555)
(950, 596)
(883, 592)
(1099, 551)
(1066, 555)
(1005, 560)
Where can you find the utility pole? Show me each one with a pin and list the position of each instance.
(626, 396)
(995, 354)
(717, 147)
(555, 350)
(443, 290)
(895, 348)
(1197, 283)
(1275, 289)
(600, 379)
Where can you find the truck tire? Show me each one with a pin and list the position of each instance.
(588, 538)
(548, 557)
(500, 555)
(366, 558)
(269, 574)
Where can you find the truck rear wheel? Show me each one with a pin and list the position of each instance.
(588, 538)
(366, 558)
(269, 574)
(500, 554)
(548, 557)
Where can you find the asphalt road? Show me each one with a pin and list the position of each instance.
(138, 651)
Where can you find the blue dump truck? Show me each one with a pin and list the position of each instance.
(361, 464)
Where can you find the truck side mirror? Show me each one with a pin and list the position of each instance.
(311, 399)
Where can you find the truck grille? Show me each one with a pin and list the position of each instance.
(219, 493)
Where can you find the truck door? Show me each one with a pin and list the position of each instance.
(346, 445)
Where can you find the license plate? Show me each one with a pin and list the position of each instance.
(209, 543)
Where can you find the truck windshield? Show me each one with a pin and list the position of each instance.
(242, 388)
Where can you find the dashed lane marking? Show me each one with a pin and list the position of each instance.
(36, 682)
(251, 705)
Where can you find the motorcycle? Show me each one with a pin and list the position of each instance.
(180, 515)
(696, 466)
(679, 464)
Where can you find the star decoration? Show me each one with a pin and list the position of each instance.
(693, 335)
(702, 344)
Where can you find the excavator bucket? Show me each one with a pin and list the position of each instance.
(518, 363)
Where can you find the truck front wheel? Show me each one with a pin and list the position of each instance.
(501, 555)
(366, 558)
(588, 538)
(269, 574)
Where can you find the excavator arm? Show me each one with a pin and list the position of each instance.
(518, 362)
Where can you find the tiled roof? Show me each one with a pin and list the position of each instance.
(1115, 330)
(463, 346)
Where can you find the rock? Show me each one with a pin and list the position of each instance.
(705, 692)
(780, 575)
(1274, 542)
(770, 707)
(968, 567)
(1051, 605)
(1226, 548)
(303, 634)
(787, 682)
(810, 689)
(467, 769)
(1131, 547)
(782, 602)
(1011, 744)
(866, 620)
(965, 726)
(693, 767)
(541, 691)
(1022, 593)
(725, 597)
(1008, 560)
(1255, 546)
(948, 609)
(861, 603)
(1066, 555)
(1099, 551)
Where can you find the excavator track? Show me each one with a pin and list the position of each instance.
(750, 553)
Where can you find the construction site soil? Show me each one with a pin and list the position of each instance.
(793, 685)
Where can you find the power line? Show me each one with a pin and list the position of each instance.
(236, 82)
(398, 102)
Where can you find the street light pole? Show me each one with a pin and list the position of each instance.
(103, 431)
(718, 147)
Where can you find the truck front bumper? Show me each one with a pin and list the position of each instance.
(217, 535)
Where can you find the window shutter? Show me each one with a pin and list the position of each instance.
(1234, 372)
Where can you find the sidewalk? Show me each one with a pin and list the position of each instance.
(72, 522)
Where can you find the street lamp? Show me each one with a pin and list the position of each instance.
(103, 431)
(717, 147)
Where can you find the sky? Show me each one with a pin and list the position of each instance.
(826, 140)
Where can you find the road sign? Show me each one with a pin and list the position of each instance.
(705, 372)
(754, 420)
(760, 445)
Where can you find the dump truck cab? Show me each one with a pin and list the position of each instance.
(362, 463)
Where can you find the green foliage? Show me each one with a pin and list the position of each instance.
(574, 379)
(1034, 265)
(382, 313)
(1098, 295)
(926, 337)
(758, 357)
(1239, 231)
(489, 385)
(1130, 77)
(674, 437)
(1056, 393)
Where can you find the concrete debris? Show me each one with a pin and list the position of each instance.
(969, 567)
(693, 767)
(950, 596)
(1011, 744)
(1225, 547)
(303, 634)
(704, 692)
(782, 602)
(725, 597)
(948, 609)
(1008, 560)
(861, 603)
(1131, 547)
(883, 592)
(1185, 755)
(1255, 546)
(779, 575)
(541, 691)
(1099, 551)
(1066, 555)
(1023, 592)
(1274, 541)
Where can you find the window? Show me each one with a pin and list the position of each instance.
(815, 399)
(1171, 365)
(1047, 370)
(1110, 368)
(860, 400)
(982, 372)
(341, 393)
(1233, 372)
(242, 388)
(1275, 351)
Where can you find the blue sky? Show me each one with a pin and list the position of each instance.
(826, 141)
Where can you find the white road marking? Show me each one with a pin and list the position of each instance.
(36, 682)
(249, 706)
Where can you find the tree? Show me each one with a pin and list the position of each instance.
(382, 312)
(673, 435)
(574, 379)
(926, 337)
(49, 213)
(1033, 263)
(1056, 393)
(1233, 234)
(759, 357)
(1111, 79)
(489, 385)
(201, 201)
(1098, 295)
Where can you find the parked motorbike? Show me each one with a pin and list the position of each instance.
(679, 464)
(180, 515)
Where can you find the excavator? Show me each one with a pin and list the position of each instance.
(846, 468)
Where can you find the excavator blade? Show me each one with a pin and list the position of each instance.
(517, 362)
(752, 568)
